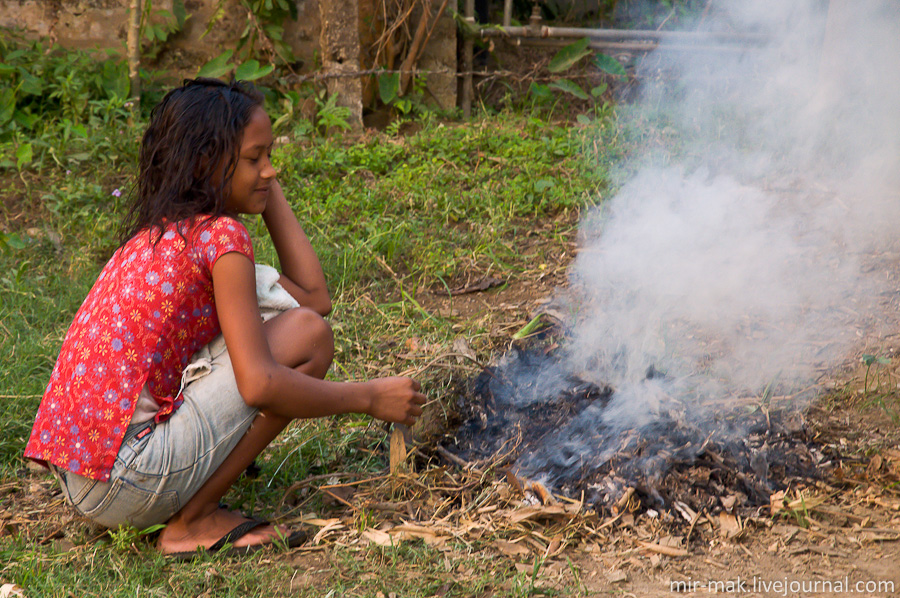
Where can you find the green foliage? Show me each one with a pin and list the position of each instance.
(571, 88)
(221, 66)
(157, 26)
(869, 361)
(567, 58)
(412, 103)
(264, 32)
(608, 64)
(50, 98)
(388, 87)
(251, 70)
(331, 116)
(125, 537)
(218, 67)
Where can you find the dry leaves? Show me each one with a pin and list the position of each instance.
(8, 590)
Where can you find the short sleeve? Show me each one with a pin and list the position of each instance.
(216, 237)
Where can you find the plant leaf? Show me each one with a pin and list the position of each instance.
(539, 91)
(7, 105)
(570, 88)
(218, 66)
(114, 79)
(388, 87)
(25, 119)
(251, 70)
(11, 240)
(569, 56)
(599, 90)
(179, 12)
(30, 84)
(217, 15)
(610, 65)
(24, 155)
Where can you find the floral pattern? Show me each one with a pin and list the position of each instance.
(149, 311)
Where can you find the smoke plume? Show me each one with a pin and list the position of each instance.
(738, 259)
(743, 251)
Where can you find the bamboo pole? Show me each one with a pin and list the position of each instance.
(133, 45)
(468, 60)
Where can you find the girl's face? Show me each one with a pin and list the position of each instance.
(253, 175)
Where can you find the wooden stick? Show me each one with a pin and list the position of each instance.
(419, 42)
(543, 493)
(665, 550)
(687, 541)
(413, 53)
(622, 503)
(338, 498)
(451, 457)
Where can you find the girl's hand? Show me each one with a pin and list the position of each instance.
(395, 400)
(301, 272)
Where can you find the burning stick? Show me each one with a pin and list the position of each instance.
(624, 501)
(543, 493)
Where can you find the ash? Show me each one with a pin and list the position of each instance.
(577, 441)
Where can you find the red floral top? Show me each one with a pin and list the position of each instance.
(149, 311)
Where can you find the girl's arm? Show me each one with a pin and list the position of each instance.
(270, 386)
(302, 274)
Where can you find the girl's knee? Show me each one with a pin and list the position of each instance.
(310, 326)
(310, 340)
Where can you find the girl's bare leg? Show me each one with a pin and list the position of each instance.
(300, 339)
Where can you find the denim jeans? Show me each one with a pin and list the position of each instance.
(159, 467)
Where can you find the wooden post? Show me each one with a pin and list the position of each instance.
(340, 54)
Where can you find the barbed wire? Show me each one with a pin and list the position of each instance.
(319, 76)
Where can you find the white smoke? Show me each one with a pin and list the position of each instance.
(742, 258)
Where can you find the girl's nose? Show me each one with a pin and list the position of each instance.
(268, 171)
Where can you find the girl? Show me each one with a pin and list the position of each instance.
(129, 441)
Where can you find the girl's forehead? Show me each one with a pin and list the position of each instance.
(258, 131)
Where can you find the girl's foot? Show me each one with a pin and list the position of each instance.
(180, 536)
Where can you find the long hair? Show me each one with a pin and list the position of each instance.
(189, 153)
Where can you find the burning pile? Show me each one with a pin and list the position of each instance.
(573, 443)
(732, 258)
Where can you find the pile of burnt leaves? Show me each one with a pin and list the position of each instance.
(574, 443)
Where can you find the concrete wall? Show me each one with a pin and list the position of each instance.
(89, 24)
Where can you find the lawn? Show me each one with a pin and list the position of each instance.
(397, 217)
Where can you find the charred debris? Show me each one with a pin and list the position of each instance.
(738, 452)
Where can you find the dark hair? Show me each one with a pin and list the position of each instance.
(195, 130)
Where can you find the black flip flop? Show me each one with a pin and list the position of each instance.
(295, 539)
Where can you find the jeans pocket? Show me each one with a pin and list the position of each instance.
(128, 504)
(77, 488)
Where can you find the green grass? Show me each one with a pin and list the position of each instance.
(391, 216)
